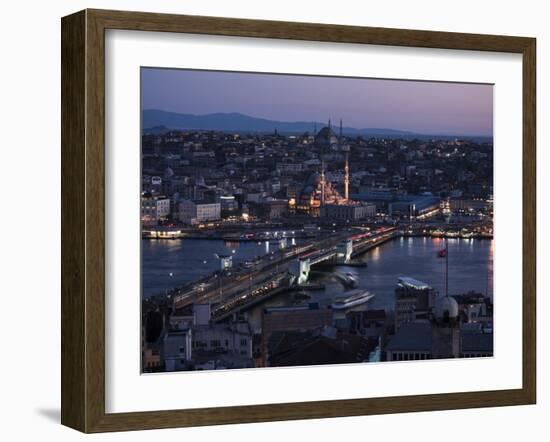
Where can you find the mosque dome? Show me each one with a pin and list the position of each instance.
(168, 173)
(446, 308)
(326, 137)
(314, 179)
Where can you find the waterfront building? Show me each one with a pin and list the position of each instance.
(348, 212)
(373, 193)
(194, 212)
(465, 205)
(154, 208)
(205, 345)
(228, 203)
(277, 208)
(413, 300)
(414, 206)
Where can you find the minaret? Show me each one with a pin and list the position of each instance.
(346, 179)
(346, 167)
(323, 183)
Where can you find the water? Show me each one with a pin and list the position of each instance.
(170, 263)
(470, 267)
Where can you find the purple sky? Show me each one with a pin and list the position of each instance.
(423, 107)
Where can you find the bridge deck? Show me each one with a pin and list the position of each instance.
(234, 292)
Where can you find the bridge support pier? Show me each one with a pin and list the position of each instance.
(300, 269)
(344, 251)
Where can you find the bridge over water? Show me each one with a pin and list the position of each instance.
(240, 289)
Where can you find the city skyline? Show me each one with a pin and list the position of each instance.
(416, 106)
(274, 245)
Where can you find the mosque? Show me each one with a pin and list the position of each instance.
(317, 191)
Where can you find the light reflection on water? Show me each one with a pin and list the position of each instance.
(187, 260)
(470, 267)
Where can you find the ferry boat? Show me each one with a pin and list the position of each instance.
(352, 279)
(357, 297)
(347, 279)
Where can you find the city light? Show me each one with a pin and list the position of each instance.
(354, 246)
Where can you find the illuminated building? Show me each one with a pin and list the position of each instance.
(194, 212)
(153, 208)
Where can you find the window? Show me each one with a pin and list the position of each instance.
(244, 342)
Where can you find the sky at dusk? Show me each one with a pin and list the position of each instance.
(422, 107)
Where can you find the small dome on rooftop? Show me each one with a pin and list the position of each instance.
(168, 172)
(446, 308)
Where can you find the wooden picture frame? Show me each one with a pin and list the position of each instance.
(83, 220)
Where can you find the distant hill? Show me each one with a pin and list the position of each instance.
(157, 121)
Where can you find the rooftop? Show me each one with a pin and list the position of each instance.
(412, 336)
(477, 342)
(409, 282)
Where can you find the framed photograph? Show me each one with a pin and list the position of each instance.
(267, 221)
